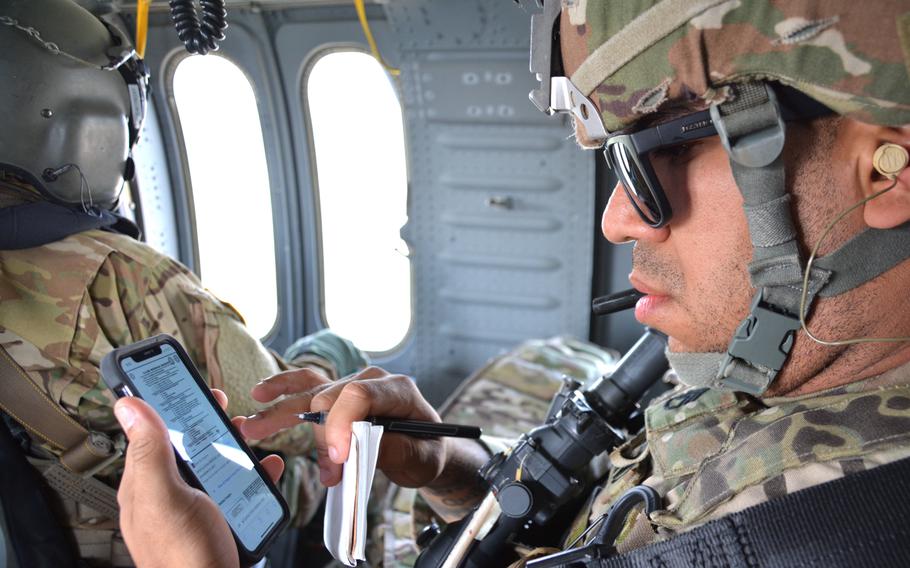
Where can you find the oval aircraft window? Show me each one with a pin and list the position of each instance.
(358, 140)
(219, 120)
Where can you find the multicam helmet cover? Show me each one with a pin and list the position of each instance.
(631, 56)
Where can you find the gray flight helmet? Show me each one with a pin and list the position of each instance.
(69, 119)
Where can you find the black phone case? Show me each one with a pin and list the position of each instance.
(116, 380)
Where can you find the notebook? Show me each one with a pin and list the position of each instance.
(345, 526)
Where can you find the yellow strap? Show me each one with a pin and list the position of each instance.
(142, 26)
(362, 15)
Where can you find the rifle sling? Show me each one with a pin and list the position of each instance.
(83, 452)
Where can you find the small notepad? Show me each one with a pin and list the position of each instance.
(345, 525)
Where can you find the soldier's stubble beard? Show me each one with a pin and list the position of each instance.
(713, 314)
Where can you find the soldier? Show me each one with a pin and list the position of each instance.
(73, 286)
(749, 137)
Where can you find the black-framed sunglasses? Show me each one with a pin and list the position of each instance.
(630, 155)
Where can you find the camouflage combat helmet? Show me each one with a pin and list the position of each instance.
(76, 95)
(744, 67)
(630, 57)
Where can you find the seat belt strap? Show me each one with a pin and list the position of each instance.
(862, 258)
(861, 519)
(83, 452)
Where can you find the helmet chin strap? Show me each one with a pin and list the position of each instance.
(752, 131)
(869, 254)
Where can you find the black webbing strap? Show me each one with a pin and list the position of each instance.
(862, 519)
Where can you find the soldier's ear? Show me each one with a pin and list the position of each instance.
(892, 208)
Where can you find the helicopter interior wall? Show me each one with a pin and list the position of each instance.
(501, 201)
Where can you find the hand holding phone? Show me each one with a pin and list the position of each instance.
(210, 454)
(164, 521)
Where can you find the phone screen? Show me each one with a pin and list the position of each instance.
(204, 442)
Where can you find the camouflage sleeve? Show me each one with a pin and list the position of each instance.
(327, 346)
(74, 300)
(131, 300)
(137, 293)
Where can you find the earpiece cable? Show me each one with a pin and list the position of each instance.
(805, 292)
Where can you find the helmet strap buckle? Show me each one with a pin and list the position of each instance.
(750, 126)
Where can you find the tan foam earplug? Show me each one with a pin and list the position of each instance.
(890, 159)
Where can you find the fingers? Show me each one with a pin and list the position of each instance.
(329, 469)
(277, 417)
(356, 399)
(149, 457)
(357, 406)
(274, 466)
(371, 372)
(303, 383)
(410, 461)
(238, 421)
(288, 382)
(348, 403)
(221, 398)
(372, 392)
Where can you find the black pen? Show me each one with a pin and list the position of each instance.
(417, 428)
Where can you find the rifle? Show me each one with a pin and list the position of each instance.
(536, 482)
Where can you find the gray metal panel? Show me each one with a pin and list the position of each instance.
(439, 25)
(501, 201)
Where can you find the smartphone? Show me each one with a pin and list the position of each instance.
(211, 455)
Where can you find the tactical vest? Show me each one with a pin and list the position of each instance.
(70, 458)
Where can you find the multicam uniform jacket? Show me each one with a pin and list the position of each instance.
(64, 305)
